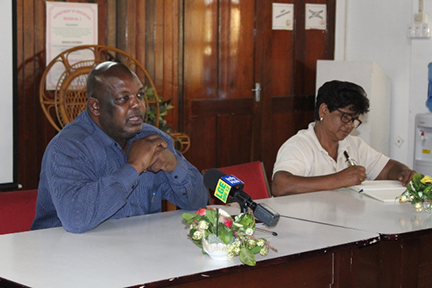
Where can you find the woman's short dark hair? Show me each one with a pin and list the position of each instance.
(340, 94)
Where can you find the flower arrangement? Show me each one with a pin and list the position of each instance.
(213, 225)
(419, 192)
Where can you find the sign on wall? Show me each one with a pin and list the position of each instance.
(69, 25)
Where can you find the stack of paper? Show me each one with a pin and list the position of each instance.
(382, 190)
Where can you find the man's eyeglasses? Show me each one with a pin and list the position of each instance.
(346, 118)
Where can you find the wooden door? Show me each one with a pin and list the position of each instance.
(220, 108)
(228, 46)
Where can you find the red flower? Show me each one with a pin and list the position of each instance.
(202, 211)
(226, 221)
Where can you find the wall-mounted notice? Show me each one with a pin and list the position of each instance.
(283, 15)
(69, 25)
(316, 16)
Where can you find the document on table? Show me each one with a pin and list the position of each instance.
(382, 190)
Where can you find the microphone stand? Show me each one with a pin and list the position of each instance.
(244, 200)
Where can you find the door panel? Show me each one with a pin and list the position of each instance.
(222, 132)
(218, 81)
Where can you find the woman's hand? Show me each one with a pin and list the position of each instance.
(353, 175)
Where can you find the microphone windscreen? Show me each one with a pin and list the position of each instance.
(211, 178)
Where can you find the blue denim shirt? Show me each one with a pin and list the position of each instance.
(85, 179)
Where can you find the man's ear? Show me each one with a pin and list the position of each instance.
(93, 105)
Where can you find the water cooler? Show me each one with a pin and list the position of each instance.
(423, 144)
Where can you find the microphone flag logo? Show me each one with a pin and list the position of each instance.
(224, 186)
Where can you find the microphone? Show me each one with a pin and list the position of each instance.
(225, 186)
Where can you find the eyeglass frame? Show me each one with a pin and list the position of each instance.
(351, 119)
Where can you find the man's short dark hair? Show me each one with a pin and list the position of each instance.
(340, 94)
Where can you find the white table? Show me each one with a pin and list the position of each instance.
(346, 208)
(147, 249)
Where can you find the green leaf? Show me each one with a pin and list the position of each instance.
(190, 217)
(256, 249)
(225, 234)
(149, 91)
(244, 221)
(247, 257)
(417, 178)
(211, 216)
(428, 191)
(417, 181)
(410, 187)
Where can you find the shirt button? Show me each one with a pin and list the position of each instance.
(175, 177)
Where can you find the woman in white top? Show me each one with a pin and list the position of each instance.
(322, 157)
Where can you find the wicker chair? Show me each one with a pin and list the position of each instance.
(64, 100)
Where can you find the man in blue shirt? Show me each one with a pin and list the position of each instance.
(108, 164)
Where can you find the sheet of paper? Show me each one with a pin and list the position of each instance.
(283, 15)
(381, 190)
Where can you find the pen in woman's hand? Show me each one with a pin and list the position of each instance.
(348, 160)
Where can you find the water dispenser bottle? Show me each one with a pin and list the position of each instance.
(429, 98)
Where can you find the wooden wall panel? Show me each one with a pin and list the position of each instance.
(170, 77)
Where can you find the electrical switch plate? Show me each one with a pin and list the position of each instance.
(426, 30)
(419, 30)
(399, 141)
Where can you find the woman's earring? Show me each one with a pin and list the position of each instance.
(321, 118)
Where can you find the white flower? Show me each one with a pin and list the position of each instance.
(418, 206)
(263, 251)
(251, 243)
(203, 225)
(260, 243)
(236, 251)
(249, 231)
(236, 243)
(197, 235)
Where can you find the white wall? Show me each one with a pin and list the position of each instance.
(6, 97)
(375, 30)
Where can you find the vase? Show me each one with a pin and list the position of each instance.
(216, 251)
